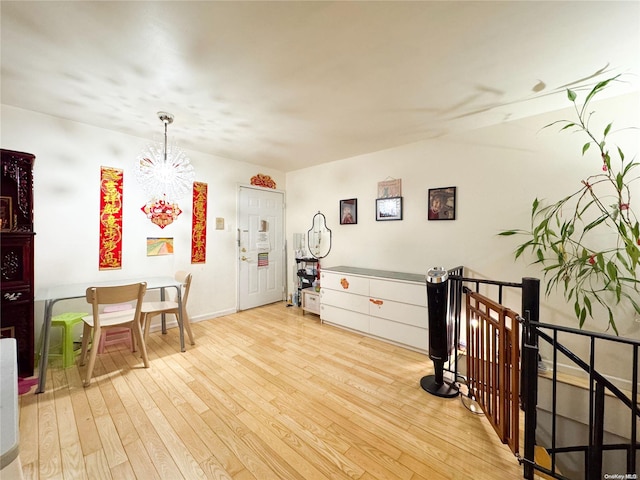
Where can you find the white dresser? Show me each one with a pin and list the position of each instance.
(387, 305)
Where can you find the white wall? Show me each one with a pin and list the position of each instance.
(67, 201)
(498, 171)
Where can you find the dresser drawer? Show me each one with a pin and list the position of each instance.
(412, 293)
(345, 318)
(345, 283)
(310, 301)
(400, 333)
(348, 301)
(399, 312)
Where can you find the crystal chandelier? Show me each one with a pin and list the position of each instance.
(165, 174)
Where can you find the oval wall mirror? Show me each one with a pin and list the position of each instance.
(319, 237)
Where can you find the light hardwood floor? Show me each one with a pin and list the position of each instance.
(264, 394)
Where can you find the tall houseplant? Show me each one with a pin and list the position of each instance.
(589, 241)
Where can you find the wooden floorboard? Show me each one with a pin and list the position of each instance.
(264, 394)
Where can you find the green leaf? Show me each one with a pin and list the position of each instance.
(587, 303)
(607, 129)
(570, 230)
(571, 95)
(508, 233)
(612, 321)
(623, 261)
(521, 249)
(595, 223)
(599, 86)
(622, 229)
(585, 147)
(612, 270)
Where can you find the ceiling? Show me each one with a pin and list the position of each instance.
(293, 84)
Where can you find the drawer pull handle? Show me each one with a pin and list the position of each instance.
(376, 302)
(344, 283)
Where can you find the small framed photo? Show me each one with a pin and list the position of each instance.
(390, 188)
(349, 211)
(442, 204)
(6, 214)
(389, 208)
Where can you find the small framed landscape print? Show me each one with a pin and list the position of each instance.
(6, 214)
(159, 246)
(349, 211)
(442, 204)
(389, 208)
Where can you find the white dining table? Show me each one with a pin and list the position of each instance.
(57, 293)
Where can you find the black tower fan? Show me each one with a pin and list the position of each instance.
(437, 289)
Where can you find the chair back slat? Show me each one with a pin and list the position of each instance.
(114, 295)
(98, 296)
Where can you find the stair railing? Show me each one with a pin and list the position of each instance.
(593, 451)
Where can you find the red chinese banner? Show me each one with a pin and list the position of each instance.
(199, 223)
(110, 218)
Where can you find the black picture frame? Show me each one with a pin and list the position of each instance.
(389, 208)
(349, 211)
(441, 203)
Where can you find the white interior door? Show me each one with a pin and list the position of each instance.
(260, 247)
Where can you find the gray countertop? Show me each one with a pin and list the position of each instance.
(370, 272)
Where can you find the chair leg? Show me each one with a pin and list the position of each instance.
(187, 326)
(137, 333)
(92, 356)
(134, 340)
(86, 334)
(147, 325)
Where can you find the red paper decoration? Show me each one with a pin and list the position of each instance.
(199, 223)
(110, 218)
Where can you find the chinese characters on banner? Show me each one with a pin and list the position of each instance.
(110, 218)
(199, 223)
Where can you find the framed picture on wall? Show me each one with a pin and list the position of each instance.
(349, 211)
(442, 204)
(389, 208)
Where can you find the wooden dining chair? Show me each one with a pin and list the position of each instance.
(99, 321)
(153, 309)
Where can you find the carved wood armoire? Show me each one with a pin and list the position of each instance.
(16, 253)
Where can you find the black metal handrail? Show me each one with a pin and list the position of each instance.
(593, 452)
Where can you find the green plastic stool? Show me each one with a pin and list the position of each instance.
(66, 321)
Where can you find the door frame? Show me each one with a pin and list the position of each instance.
(285, 280)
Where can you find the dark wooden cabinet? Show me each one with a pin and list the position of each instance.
(16, 254)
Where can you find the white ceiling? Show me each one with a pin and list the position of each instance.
(294, 84)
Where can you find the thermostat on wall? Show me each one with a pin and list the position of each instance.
(219, 223)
